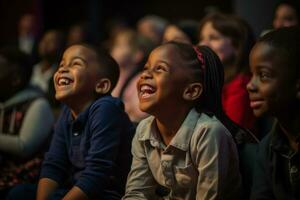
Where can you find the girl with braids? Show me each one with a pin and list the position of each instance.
(183, 151)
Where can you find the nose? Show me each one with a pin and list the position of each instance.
(62, 69)
(252, 86)
(146, 74)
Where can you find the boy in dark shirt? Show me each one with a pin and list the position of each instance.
(91, 144)
(275, 89)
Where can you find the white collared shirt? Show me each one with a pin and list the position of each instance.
(201, 161)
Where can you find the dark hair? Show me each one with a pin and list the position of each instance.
(287, 42)
(189, 27)
(238, 31)
(108, 66)
(211, 75)
(19, 63)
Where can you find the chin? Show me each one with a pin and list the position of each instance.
(260, 113)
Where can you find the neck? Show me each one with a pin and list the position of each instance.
(76, 109)
(169, 123)
(290, 126)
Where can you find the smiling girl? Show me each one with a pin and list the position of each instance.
(182, 151)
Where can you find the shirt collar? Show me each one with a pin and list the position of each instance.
(182, 138)
(279, 141)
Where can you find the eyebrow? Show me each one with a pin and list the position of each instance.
(164, 62)
(77, 57)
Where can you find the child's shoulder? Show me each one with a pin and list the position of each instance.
(210, 125)
(144, 127)
(108, 102)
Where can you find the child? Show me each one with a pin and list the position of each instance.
(275, 89)
(183, 151)
(26, 122)
(91, 143)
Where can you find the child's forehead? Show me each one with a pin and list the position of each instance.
(79, 51)
(166, 50)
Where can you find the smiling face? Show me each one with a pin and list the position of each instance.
(272, 88)
(219, 43)
(161, 84)
(76, 78)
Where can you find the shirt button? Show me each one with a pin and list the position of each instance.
(164, 164)
(294, 169)
(76, 134)
(168, 182)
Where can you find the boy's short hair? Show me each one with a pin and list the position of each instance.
(287, 41)
(108, 66)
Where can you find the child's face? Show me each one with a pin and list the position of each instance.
(172, 33)
(219, 43)
(161, 84)
(77, 75)
(271, 89)
(122, 51)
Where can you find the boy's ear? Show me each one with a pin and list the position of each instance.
(193, 91)
(103, 86)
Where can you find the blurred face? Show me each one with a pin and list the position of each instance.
(172, 33)
(49, 45)
(122, 52)
(270, 89)
(162, 81)
(219, 43)
(76, 78)
(147, 29)
(285, 16)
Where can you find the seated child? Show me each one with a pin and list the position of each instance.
(182, 151)
(89, 157)
(275, 89)
(26, 122)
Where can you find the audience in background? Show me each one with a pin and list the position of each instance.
(152, 27)
(231, 39)
(26, 122)
(183, 31)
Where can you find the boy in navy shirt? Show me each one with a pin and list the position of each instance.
(91, 143)
(89, 156)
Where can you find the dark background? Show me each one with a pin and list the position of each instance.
(62, 13)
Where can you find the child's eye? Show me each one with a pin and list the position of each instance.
(160, 68)
(60, 65)
(264, 76)
(145, 68)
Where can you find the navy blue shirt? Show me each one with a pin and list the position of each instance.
(92, 151)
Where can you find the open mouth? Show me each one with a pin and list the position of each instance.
(146, 91)
(64, 81)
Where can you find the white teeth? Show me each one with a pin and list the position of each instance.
(146, 88)
(63, 81)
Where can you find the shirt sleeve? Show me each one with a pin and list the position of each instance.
(35, 130)
(56, 165)
(106, 123)
(262, 186)
(140, 182)
(217, 160)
